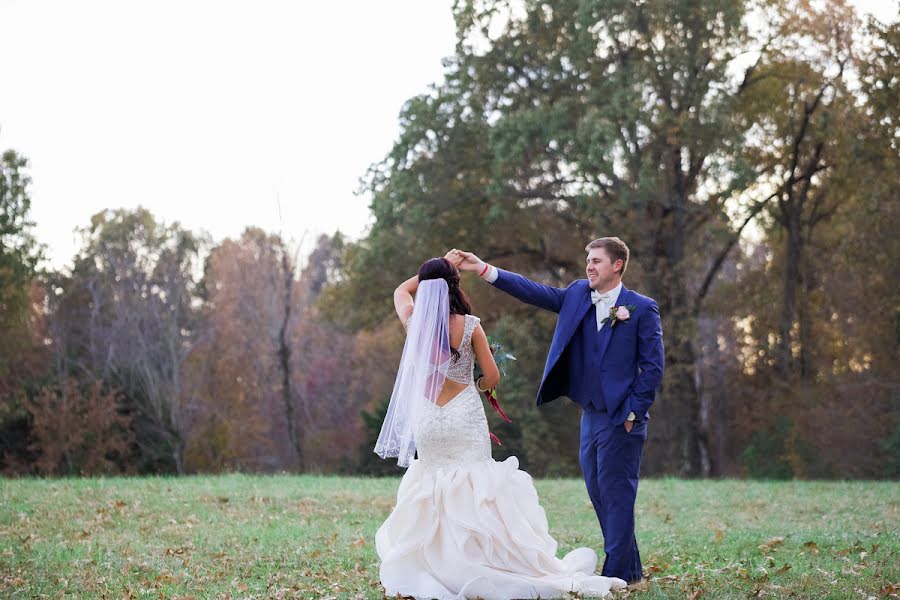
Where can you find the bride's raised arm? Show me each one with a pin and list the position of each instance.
(403, 298)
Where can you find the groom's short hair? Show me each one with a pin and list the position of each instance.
(614, 247)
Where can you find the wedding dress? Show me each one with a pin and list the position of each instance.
(467, 526)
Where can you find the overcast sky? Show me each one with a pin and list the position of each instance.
(213, 112)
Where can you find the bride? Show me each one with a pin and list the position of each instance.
(465, 525)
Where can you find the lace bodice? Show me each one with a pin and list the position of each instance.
(462, 367)
(454, 434)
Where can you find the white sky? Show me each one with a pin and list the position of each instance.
(211, 112)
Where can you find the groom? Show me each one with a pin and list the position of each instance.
(607, 356)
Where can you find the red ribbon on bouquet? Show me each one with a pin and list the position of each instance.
(491, 396)
(491, 393)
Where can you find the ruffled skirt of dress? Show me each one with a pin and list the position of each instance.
(478, 531)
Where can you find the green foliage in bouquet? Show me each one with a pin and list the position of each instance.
(501, 357)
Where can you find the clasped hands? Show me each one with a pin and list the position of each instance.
(465, 261)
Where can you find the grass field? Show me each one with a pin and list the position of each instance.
(253, 536)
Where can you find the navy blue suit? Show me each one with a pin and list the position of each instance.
(609, 374)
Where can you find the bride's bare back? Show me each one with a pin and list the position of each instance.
(457, 332)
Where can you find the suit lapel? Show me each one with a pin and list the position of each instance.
(568, 324)
(607, 332)
(576, 319)
(570, 317)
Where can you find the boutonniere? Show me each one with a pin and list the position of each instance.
(619, 313)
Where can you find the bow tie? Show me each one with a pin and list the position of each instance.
(598, 297)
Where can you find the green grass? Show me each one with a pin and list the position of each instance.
(252, 536)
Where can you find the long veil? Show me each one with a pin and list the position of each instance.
(423, 369)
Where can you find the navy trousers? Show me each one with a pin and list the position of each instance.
(611, 463)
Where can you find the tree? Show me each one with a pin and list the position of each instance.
(20, 255)
(238, 369)
(79, 430)
(561, 122)
(879, 68)
(820, 379)
(805, 123)
(19, 251)
(23, 356)
(124, 315)
(325, 367)
(266, 372)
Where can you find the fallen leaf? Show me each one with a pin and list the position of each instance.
(812, 547)
(641, 586)
(658, 568)
(771, 544)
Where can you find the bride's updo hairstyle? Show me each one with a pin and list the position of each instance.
(441, 268)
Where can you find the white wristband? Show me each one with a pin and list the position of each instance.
(491, 274)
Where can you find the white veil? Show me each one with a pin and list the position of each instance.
(423, 369)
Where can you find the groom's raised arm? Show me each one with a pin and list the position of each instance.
(517, 286)
(526, 290)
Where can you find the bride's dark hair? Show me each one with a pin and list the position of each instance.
(441, 268)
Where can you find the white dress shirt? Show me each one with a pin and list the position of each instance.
(608, 302)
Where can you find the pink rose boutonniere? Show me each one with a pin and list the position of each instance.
(619, 313)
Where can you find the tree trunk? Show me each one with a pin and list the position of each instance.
(284, 358)
(804, 319)
(677, 440)
(791, 281)
(178, 456)
(677, 445)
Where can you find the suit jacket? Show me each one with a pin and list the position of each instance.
(631, 352)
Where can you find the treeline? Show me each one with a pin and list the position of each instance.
(143, 358)
(747, 152)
